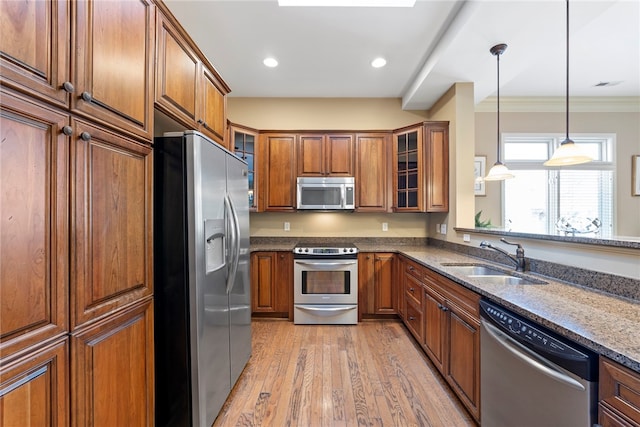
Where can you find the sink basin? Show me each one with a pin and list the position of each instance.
(490, 275)
(506, 279)
(474, 269)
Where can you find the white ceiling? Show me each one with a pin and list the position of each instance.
(326, 52)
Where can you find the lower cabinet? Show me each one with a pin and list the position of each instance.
(444, 317)
(376, 290)
(619, 394)
(112, 370)
(34, 388)
(272, 284)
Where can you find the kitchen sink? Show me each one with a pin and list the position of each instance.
(490, 275)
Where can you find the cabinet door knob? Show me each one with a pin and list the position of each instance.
(68, 87)
(281, 256)
(86, 136)
(412, 318)
(67, 130)
(411, 268)
(86, 96)
(411, 289)
(200, 121)
(368, 257)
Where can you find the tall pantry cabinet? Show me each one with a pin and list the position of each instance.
(76, 277)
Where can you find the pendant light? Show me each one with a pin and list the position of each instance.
(569, 153)
(498, 171)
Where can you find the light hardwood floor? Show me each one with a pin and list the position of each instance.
(370, 374)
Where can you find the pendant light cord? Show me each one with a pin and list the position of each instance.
(498, 107)
(567, 97)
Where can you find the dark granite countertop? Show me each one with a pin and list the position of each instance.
(603, 322)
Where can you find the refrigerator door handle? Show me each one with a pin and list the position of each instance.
(234, 245)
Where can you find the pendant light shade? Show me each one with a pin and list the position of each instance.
(498, 171)
(569, 153)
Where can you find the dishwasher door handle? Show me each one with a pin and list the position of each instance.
(528, 357)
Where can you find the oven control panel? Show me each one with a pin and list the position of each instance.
(325, 251)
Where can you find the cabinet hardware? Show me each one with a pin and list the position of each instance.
(200, 121)
(68, 87)
(86, 96)
(412, 318)
(86, 136)
(67, 130)
(411, 289)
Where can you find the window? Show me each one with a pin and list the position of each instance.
(575, 200)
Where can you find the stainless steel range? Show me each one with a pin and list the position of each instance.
(325, 285)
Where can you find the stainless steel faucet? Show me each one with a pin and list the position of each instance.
(519, 259)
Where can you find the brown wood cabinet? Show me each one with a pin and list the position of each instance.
(107, 35)
(456, 331)
(34, 176)
(376, 284)
(420, 159)
(444, 318)
(272, 284)
(187, 87)
(277, 172)
(112, 370)
(325, 155)
(619, 394)
(111, 222)
(34, 389)
(401, 283)
(372, 176)
(94, 57)
(39, 72)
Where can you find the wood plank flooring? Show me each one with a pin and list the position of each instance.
(370, 374)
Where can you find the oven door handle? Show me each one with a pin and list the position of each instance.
(326, 264)
(319, 307)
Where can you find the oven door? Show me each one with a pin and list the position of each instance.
(325, 281)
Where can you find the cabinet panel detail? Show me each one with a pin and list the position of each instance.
(112, 237)
(34, 390)
(372, 178)
(112, 370)
(34, 48)
(34, 181)
(107, 35)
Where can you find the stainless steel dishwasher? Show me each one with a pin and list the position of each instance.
(531, 376)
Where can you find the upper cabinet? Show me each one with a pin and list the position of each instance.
(421, 168)
(113, 67)
(277, 155)
(436, 147)
(243, 143)
(40, 72)
(372, 177)
(94, 57)
(325, 155)
(187, 88)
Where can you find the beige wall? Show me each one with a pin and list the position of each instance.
(626, 126)
(321, 113)
(338, 224)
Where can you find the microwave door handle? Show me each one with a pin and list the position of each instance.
(343, 194)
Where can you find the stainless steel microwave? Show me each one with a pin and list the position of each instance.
(331, 193)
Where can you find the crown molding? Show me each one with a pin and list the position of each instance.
(610, 104)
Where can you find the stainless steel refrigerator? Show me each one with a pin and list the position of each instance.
(201, 277)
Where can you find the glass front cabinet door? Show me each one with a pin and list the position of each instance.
(243, 144)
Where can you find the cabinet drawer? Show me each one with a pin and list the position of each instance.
(457, 294)
(609, 418)
(413, 320)
(413, 290)
(620, 389)
(414, 269)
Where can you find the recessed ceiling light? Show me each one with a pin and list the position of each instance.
(378, 62)
(270, 62)
(348, 3)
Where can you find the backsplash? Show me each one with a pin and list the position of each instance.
(609, 283)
